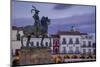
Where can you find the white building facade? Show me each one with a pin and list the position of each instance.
(87, 45)
(70, 42)
(74, 42)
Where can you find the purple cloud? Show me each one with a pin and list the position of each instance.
(80, 19)
(62, 6)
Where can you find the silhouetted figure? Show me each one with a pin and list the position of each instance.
(37, 21)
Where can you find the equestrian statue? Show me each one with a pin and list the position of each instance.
(38, 29)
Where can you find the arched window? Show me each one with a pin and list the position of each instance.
(64, 41)
(70, 41)
(77, 40)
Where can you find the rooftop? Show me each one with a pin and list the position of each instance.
(71, 33)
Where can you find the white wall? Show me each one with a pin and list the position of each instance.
(13, 34)
(14, 43)
(67, 37)
(87, 48)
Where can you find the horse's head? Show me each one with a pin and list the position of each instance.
(47, 20)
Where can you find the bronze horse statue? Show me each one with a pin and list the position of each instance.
(40, 28)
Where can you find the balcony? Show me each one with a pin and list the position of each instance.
(86, 46)
(94, 45)
(87, 37)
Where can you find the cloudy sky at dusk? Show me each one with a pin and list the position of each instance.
(62, 16)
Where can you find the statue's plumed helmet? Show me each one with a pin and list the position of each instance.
(37, 11)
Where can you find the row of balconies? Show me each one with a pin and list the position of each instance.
(88, 46)
(87, 37)
(74, 52)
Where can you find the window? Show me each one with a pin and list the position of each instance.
(64, 41)
(90, 37)
(70, 41)
(84, 51)
(70, 50)
(86, 36)
(94, 45)
(84, 43)
(94, 51)
(64, 49)
(77, 40)
(89, 43)
(77, 50)
(89, 51)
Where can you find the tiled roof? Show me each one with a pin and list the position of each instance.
(71, 33)
(55, 35)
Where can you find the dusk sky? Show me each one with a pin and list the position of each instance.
(62, 16)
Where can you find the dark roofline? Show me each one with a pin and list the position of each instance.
(55, 36)
(71, 33)
(17, 28)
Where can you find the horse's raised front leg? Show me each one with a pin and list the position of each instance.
(28, 40)
(42, 41)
